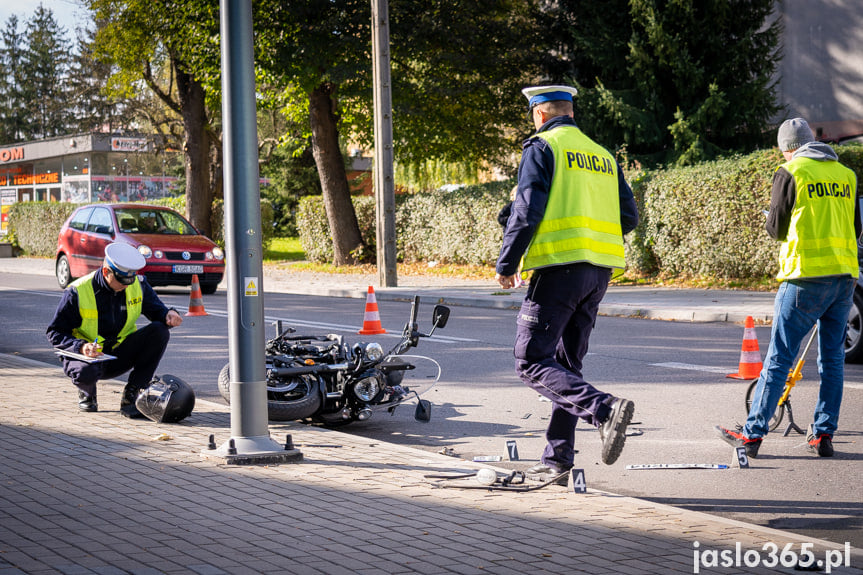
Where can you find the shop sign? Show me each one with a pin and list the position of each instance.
(129, 144)
(11, 154)
(31, 179)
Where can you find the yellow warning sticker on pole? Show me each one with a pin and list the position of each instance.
(251, 286)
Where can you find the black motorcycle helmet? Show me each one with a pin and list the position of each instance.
(168, 399)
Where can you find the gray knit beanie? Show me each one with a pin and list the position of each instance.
(793, 134)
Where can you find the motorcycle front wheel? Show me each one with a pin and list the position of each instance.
(300, 402)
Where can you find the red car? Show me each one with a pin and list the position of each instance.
(174, 249)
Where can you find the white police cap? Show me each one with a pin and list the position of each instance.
(124, 260)
(539, 94)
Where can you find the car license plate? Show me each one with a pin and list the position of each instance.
(186, 269)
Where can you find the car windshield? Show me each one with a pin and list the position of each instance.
(149, 221)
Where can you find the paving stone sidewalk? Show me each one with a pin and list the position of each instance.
(96, 493)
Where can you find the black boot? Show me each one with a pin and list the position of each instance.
(127, 403)
(87, 402)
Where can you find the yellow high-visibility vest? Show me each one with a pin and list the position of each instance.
(90, 314)
(821, 240)
(582, 218)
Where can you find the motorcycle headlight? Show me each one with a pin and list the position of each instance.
(374, 351)
(368, 388)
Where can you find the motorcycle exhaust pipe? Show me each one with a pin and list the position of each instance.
(306, 370)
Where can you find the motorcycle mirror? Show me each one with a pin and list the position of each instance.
(440, 316)
(423, 411)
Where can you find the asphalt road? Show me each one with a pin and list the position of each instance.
(675, 373)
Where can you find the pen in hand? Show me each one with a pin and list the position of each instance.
(93, 349)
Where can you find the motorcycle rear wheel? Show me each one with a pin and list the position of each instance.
(302, 402)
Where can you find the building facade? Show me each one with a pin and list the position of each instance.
(820, 77)
(84, 168)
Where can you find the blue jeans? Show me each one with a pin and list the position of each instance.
(799, 305)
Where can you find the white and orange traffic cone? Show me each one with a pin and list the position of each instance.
(750, 356)
(372, 319)
(196, 299)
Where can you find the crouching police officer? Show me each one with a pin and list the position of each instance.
(97, 316)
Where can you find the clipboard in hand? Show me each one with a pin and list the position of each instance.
(82, 357)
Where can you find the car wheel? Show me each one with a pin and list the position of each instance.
(208, 288)
(63, 271)
(854, 331)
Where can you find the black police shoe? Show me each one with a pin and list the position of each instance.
(127, 403)
(544, 472)
(131, 412)
(613, 430)
(87, 402)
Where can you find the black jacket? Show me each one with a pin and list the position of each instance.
(112, 314)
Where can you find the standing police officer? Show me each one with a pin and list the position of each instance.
(97, 316)
(815, 214)
(571, 211)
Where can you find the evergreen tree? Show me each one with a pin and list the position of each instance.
(671, 80)
(13, 108)
(46, 60)
(95, 110)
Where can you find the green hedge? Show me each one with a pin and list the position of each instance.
(700, 221)
(448, 227)
(34, 226)
(707, 220)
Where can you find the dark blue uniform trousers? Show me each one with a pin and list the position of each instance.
(140, 351)
(554, 326)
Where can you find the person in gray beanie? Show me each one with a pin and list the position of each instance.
(814, 212)
(794, 134)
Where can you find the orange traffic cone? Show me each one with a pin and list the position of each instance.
(750, 356)
(372, 319)
(196, 299)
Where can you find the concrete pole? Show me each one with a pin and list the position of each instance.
(246, 338)
(385, 201)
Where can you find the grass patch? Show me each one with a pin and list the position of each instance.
(284, 250)
(403, 269)
(291, 250)
(749, 284)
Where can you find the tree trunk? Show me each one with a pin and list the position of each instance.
(334, 180)
(196, 152)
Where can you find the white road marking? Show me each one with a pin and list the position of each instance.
(692, 367)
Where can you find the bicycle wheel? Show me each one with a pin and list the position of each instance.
(778, 415)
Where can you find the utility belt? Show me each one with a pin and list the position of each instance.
(567, 268)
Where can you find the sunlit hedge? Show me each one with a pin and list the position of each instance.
(700, 221)
(448, 227)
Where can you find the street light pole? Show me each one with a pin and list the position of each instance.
(250, 440)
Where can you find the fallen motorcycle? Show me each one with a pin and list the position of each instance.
(320, 379)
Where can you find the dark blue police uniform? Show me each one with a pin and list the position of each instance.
(559, 310)
(140, 351)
